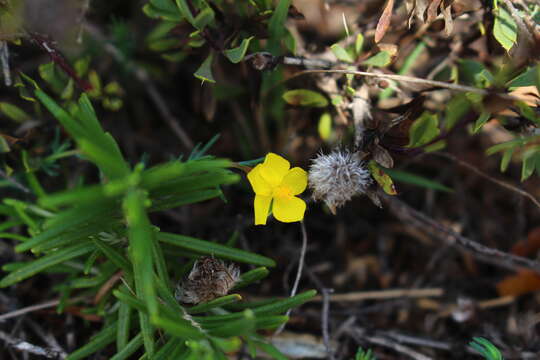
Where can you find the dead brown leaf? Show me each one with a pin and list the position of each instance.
(384, 21)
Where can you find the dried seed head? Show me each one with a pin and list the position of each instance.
(335, 178)
(209, 278)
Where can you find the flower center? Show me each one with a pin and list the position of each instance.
(282, 192)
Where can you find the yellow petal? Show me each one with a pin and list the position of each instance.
(295, 180)
(289, 209)
(274, 169)
(261, 206)
(259, 185)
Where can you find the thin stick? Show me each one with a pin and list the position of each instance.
(409, 79)
(298, 272)
(383, 294)
(22, 345)
(486, 176)
(429, 226)
(325, 315)
(45, 305)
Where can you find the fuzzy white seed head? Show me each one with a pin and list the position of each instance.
(335, 178)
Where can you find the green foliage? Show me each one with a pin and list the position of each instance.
(305, 97)
(424, 130)
(504, 28)
(94, 231)
(364, 355)
(486, 348)
(380, 59)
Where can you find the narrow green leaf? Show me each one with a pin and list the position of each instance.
(4, 146)
(218, 250)
(237, 54)
(113, 255)
(14, 112)
(177, 328)
(124, 325)
(162, 9)
(270, 350)
(141, 237)
(482, 119)
(381, 59)
(126, 351)
(274, 308)
(276, 26)
(507, 156)
(147, 332)
(251, 276)
(239, 327)
(305, 97)
(224, 300)
(341, 53)
(359, 44)
(204, 72)
(99, 341)
(423, 130)
(529, 162)
(57, 257)
(417, 180)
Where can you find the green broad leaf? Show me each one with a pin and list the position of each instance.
(305, 97)
(276, 26)
(505, 160)
(204, 307)
(341, 53)
(482, 119)
(237, 54)
(325, 126)
(129, 349)
(358, 44)
(203, 18)
(54, 258)
(162, 9)
(436, 146)
(95, 81)
(97, 342)
(141, 238)
(504, 28)
(526, 78)
(381, 59)
(336, 99)
(384, 181)
(185, 11)
(204, 72)
(178, 328)
(475, 73)
(14, 113)
(218, 250)
(413, 179)
(457, 107)
(250, 277)
(424, 129)
(4, 146)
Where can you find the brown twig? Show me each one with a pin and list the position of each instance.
(490, 178)
(360, 336)
(45, 305)
(484, 253)
(383, 294)
(410, 79)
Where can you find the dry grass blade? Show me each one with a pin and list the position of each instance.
(384, 21)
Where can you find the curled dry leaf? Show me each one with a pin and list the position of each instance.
(384, 21)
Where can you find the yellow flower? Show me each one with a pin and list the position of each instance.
(274, 180)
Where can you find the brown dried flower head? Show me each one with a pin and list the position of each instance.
(336, 177)
(208, 279)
